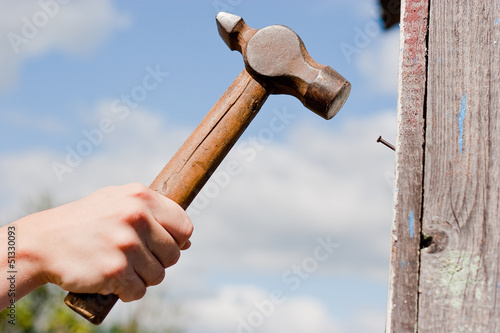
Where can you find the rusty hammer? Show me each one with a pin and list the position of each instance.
(276, 62)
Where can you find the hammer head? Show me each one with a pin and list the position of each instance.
(277, 58)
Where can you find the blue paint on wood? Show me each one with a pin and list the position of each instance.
(411, 222)
(496, 21)
(461, 117)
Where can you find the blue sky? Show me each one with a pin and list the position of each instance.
(316, 179)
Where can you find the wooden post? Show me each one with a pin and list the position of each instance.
(403, 283)
(445, 264)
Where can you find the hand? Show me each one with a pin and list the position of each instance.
(117, 240)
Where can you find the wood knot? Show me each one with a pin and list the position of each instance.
(435, 243)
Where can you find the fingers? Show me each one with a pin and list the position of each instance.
(163, 246)
(162, 224)
(187, 245)
(130, 290)
(163, 229)
(117, 277)
(164, 211)
(126, 236)
(117, 240)
(172, 217)
(147, 266)
(144, 270)
(135, 267)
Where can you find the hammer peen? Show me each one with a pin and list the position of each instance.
(276, 62)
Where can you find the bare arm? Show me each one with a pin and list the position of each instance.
(117, 240)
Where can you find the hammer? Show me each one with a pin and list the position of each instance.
(276, 62)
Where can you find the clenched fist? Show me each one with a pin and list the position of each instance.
(117, 240)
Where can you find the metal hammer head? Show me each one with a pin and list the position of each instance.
(277, 58)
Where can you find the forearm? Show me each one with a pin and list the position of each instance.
(19, 273)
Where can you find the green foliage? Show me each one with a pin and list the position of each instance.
(43, 311)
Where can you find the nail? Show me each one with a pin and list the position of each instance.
(382, 141)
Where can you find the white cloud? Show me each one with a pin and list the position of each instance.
(252, 309)
(379, 61)
(367, 9)
(317, 183)
(312, 183)
(231, 308)
(367, 321)
(31, 28)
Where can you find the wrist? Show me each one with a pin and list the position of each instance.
(29, 254)
(19, 265)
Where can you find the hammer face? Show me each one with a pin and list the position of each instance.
(277, 58)
(275, 51)
(327, 93)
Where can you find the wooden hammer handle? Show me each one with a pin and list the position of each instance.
(193, 164)
(190, 168)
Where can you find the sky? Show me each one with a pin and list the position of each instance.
(297, 237)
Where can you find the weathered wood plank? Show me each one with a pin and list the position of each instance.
(459, 271)
(403, 284)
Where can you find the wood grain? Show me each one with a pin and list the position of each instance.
(405, 241)
(190, 168)
(459, 274)
(193, 164)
